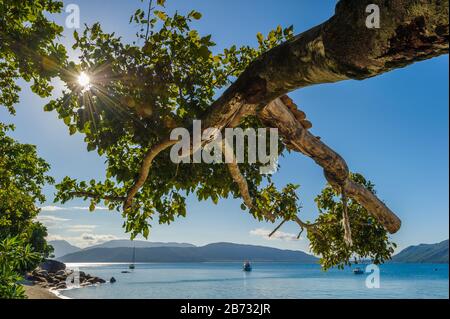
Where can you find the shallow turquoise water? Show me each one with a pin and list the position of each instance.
(267, 280)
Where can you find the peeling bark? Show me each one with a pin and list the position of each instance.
(278, 115)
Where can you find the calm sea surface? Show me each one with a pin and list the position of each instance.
(267, 280)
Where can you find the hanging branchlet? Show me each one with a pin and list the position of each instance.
(277, 228)
(345, 220)
(300, 233)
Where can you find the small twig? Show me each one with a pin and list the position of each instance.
(148, 19)
(278, 227)
(345, 220)
(97, 196)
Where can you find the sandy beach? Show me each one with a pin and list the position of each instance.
(36, 292)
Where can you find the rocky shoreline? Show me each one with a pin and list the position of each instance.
(53, 275)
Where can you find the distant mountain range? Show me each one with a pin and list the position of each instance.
(138, 244)
(122, 250)
(219, 252)
(424, 253)
(62, 247)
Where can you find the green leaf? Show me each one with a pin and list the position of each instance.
(197, 15)
(260, 37)
(72, 129)
(161, 15)
(204, 52)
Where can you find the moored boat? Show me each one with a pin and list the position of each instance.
(247, 266)
(358, 271)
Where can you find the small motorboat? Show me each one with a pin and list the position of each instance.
(247, 266)
(358, 271)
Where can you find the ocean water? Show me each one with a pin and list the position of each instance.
(267, 280)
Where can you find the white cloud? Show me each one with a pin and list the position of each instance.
(51, 208)
(85, 239)
(264, 233)
(81, 228)
(49, 218)
(87, 208)
(52, 222)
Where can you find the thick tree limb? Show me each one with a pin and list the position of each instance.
(277, 114)
(341, 48)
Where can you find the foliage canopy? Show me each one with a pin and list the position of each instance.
(138, 93)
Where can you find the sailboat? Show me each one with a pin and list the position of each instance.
(132, 266)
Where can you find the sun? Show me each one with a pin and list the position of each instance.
(84, 81)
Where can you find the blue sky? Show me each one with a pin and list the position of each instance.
(392, 128)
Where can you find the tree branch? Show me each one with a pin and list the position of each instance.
(97, 196)
(145, 169)
(240, 180)
(341, 48)
(277, 114)
(149, 11)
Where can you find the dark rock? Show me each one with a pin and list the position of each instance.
(61, 286)
(61, 278)
(112, 280)
(52, 266)
(40, 279)
(40, 272)
(97, 280)
(62, 273)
